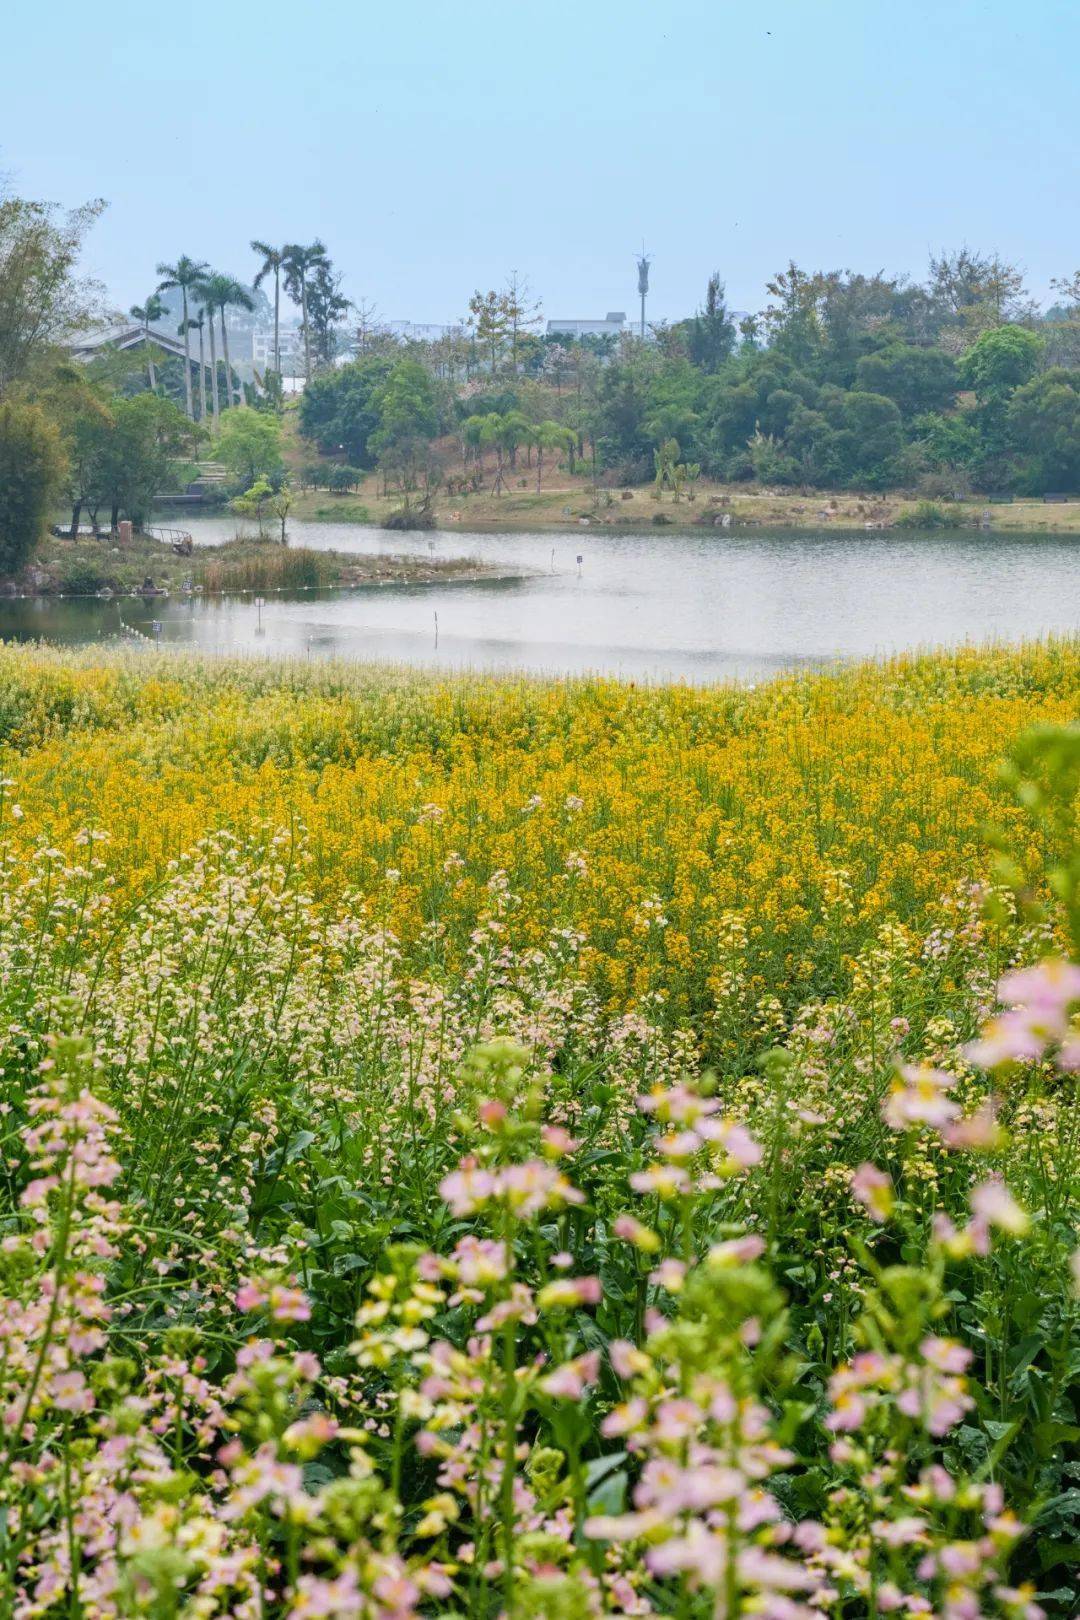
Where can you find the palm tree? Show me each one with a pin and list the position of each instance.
(298, 262)
(207, 310)
(146, 314)
(186, 274)
(548, 436)
(220, 292)
(196, 323)
(273, 262)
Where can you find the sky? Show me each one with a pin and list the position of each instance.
(438, 145)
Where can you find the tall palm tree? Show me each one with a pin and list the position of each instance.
(146, 314)
(273, 262)
(207, 310)
(185, 274)
(196, 323)
(298, 262)
(220, 292)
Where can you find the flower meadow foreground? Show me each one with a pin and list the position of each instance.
(479, 1148)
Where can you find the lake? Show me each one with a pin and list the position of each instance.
(695, 606)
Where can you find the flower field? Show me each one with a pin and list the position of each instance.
(479, 1147)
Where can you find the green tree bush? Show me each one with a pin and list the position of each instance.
(31, 470)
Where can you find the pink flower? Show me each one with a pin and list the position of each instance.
(741, 1150)
(1039, 999)
(480, 1261)
(289, 1304)
(669, 1274)
(947, 1355)
(70, 1392)
(919, 1096)
(566, 1292)
(874, 1190)
(626, 1418)
(993, 1203)
(467, 1189)
(319, 1599)
(737, 1251)
(626, 1358)
(570, 1381)
(1052, 985)
(979, 1132)
(558, 1141)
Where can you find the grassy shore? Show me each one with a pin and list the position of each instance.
(570, 502)
(85, 567)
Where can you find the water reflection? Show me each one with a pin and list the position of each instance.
(698, 606)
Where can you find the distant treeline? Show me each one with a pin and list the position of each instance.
(952, 386)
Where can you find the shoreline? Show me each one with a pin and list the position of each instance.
(568, 508)
(149, 570)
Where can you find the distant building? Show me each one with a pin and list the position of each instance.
(262, 346)
(88, 345)
(612, 325)
(420, 331)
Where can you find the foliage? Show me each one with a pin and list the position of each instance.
(1001, 360)
(31, 467)
(553, 1150)
(339, 410)
(925, 515)
(43, 302)
(249, 445)
(710, 337)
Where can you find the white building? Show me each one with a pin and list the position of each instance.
(420, 331)
(262, 346)
(612, 325)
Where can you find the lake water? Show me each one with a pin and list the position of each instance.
(698, 606)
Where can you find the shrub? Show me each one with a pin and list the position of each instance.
(31, 467)
(926, 515)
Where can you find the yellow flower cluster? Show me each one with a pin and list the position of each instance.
(709, 845)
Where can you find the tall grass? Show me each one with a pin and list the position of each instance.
(280, 569)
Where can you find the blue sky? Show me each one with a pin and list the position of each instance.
(435, 146)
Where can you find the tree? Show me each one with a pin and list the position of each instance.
(339, 409)
(916, 379)
(491, 435)
(279, 505)
(254, 502)
(1001, 360)
(31, 469)
(221, 293)
(186, 274)
(711, 334)
(970, 292)
(146, 315)
(273, 261)
(549, 435)
(487, 317)
(197, 323)
(326, 306)
(249, 444)
(516, 431)
(408, 420)
(42, 301)
(520, 313)
(85, 423)
(298, 263)
(143, 436)
(792, 320)
(1044, 418)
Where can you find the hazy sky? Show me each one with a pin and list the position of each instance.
(437, 144)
